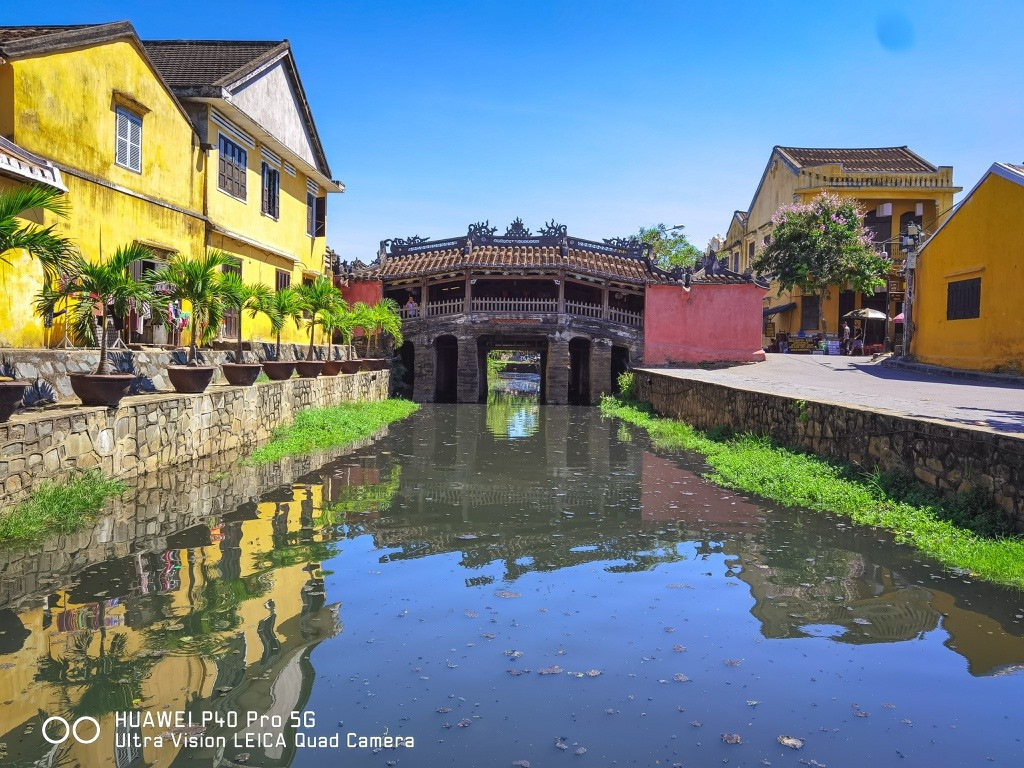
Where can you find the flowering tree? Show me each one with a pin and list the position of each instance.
(819, 244)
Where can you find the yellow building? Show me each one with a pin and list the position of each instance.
(179, 146)
(894, 185)
(88, 99)
(969, 277)
(265, 193)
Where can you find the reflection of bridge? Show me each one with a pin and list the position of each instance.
(579, 303)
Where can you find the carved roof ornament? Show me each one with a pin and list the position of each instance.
(414, 240)
(628, 243)
(518, 229)
(551, 229)
(482, 229)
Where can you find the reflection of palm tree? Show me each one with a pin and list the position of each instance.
(112, 680)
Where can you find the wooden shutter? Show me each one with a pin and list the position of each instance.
(265, 195)
(320, 229)
(128, 140)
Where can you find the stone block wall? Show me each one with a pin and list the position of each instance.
(151, 431)
(153, 515)
(946, 457)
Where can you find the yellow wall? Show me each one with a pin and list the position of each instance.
(984, 239)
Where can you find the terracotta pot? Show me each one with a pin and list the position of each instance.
(241, 374)
(369, 364)
(350, 366)
(190, 379)
(383, 364)
(309, 369)
(107, 389)
(331, 368)
(279, 370)
(10, 397)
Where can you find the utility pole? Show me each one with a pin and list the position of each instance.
(911, 241)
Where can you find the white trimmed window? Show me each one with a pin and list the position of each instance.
(128, 146)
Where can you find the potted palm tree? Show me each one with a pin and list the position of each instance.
(278, 308)
(239, 296)
(51, 250)
(345, 322)
(331, 322)
(384, 318)
(109, 285)
(319, 299)
(197, 280)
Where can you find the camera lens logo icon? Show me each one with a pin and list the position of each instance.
(57, 730)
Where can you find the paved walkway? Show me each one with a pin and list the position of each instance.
(858, 381)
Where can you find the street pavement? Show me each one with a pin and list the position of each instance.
(998, 407)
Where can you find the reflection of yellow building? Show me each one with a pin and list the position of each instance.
(243, 612)
(893, 184)
(178, 146)
(969, 278)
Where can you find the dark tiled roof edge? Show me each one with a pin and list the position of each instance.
(55, 38)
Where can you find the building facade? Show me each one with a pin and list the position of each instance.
(178, 146)
(894, 186)
(969, 277)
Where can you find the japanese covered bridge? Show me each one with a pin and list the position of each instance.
(590, 309)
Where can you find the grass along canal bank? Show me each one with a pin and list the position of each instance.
(57, 507)
(964, 531)
(319, 429)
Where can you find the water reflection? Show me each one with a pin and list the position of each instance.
(223, 588)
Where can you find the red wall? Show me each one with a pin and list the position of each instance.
(367, 291)
(708, 323)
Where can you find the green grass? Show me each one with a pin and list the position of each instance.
(319, 429)
(964, 532)
(57, 507)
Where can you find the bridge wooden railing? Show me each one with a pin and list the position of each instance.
(522, 306)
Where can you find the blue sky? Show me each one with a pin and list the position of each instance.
(609, 115)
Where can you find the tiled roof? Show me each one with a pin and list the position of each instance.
(8, 34)
(20, 164)
(880, 159)
(198, 63)
(31, 40)
(495, 257)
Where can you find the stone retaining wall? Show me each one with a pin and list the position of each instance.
(151, 431)
(949, 458)
(153, 516)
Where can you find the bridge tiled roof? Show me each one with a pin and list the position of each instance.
(514, 257)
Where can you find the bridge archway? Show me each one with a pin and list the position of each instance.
(446, 369)
(620, 364)
(579, 371)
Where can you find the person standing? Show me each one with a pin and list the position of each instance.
(846, 338)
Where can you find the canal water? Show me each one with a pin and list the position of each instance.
(500, 585)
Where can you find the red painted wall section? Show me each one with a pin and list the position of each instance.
(367, 291)
(708, 323)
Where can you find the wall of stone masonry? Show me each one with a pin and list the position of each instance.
(54, 365)
(946, 457)
(148, 432)
(153, 516)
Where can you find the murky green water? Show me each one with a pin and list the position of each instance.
(498, 583)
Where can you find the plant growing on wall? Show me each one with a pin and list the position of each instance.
(199, 281)
(241, 296)
(819, 244)
(318, 300)
(107, 284)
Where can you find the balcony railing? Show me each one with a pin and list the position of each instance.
(514, 305)
(581, 309)
(522, 306)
